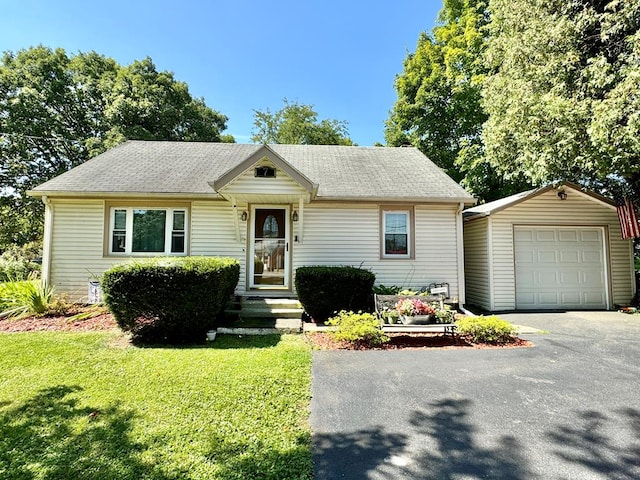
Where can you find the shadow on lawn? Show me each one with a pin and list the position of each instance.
(50, 436)
(223, 342)
(260, 460)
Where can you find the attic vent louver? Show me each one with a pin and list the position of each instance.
(265, 172)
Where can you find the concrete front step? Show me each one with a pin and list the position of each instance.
(262, 327)
(270, 313)
(268, 308)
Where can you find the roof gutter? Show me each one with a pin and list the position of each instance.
(145, 195)
(400, 200)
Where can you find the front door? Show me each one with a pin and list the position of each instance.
(269, 248)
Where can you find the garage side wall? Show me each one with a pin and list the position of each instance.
(547, 209)
(476, 263)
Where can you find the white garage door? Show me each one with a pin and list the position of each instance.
(560, 268)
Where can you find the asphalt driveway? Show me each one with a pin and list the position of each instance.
(568, 408)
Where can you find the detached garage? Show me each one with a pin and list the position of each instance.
(547, 249)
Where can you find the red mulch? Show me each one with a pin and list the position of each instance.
(323, 341)
(99, 321)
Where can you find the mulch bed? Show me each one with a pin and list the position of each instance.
(323, 341)
(99, 321)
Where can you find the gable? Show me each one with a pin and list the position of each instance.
(265, 177)
(265, 182)
(563, 199)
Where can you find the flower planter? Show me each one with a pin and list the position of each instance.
(417, 319)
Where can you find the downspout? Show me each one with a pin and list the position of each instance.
(48, 239)
(460, 243)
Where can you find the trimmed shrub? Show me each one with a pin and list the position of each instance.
(324, 290)
(361, 329)
(491, 329)
(173, 300)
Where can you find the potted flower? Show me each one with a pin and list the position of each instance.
(415, 311)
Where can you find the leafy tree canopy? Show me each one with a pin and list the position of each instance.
(297, 123)
(59, 110)
(563, 96)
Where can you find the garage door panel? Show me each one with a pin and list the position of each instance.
(568, 235)
(569, 256)
(523, 235)
(548, 298)
(593, 279)
(524, 256)
(547, 278)
(570, 278)
(592, 257)
(570, 298)
(593, 298)
(560, 268)
(590, 236)
(545, 235)
(547, 257)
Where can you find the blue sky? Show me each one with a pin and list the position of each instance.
(340, 56)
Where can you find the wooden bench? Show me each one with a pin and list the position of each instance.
(386, 303)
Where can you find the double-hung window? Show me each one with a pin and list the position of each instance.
(396, 233)
(148, 231)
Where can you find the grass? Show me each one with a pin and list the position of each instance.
(90, 406)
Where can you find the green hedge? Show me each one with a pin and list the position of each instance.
(170, 300)
(324, 290)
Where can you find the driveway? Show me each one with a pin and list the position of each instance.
(568, 408)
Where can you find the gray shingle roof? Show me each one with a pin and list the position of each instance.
(140, 167)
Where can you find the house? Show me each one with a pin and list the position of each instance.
(272, 207)
(549, 248)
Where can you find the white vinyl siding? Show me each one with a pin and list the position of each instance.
(77, 247)
(281, 188)
(476, 263)
(547, 209)
(213, 233)
(334, 234)
(350, 235)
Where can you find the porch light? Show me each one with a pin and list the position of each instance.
(244, 216)
(294, 217)
(562, 194)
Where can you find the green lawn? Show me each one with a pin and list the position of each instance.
(88, 405)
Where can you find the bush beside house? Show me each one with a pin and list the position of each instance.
(324, 290)
(170, 300)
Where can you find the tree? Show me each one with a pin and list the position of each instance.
(57, 111)
(563, 96)
(439, 106)
(297, 123)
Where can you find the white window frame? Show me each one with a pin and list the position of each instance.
(168, 231)
(383, 245)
